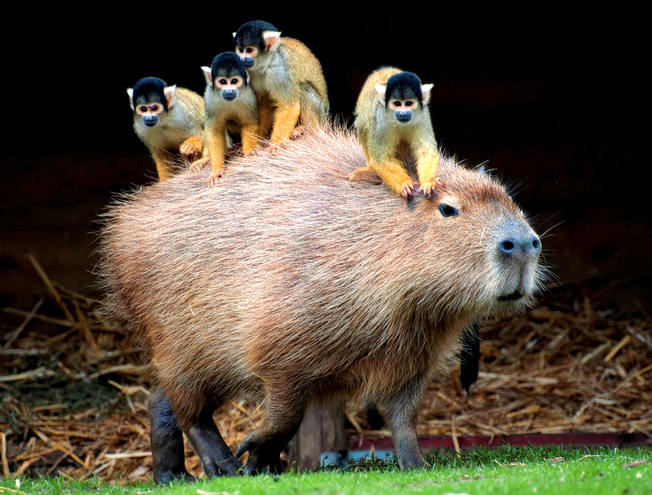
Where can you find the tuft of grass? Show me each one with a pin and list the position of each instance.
(540, 470)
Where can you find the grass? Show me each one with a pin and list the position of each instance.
(548, 471)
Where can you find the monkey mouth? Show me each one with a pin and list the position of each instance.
(512, 296)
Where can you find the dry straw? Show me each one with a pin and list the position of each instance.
(565, 366)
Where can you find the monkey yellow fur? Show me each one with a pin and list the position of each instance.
(392, 122)
(169, 120)
(230, 109)
(286, 77)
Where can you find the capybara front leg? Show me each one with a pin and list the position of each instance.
(402, 411)
(265, 446)
(168, 459)
(215, 455)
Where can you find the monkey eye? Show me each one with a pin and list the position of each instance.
(235, 80)
(143, 108)
(221, 81)
(448, 210)
(153, 108)
(396, 103)
(409, 103)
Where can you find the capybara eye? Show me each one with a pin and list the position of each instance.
(448, 210)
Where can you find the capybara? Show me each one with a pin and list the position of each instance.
(288, 284)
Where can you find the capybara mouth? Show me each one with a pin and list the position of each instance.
(512, 296)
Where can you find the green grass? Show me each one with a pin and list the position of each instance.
(549, 471)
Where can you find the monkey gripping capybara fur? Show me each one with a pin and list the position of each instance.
(286, 283)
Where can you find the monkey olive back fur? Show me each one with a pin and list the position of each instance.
(287, 283)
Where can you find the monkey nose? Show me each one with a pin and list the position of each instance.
(248, 62)
(403, 115)
(229, 94)
(150, 120)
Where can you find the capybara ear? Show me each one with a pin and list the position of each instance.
(365, 175)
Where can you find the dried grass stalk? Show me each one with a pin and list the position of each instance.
(563, 367)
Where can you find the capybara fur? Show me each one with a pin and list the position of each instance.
(286, 283)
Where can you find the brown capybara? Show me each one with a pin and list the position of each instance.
(287, 284)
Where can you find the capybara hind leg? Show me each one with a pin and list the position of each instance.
(265, 446)
(168, 459)
(402, 411)
(215, 455)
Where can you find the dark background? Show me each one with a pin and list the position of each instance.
(550, 95)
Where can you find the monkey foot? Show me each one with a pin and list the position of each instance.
(365, 174)
(264, 456)
(297, 132)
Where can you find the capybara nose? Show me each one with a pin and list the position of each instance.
(518, 240)
(526, 245)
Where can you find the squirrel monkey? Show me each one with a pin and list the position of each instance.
(392, 122)
(230, 108)
(169, 120)
(286, 77)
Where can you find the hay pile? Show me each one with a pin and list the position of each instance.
(73, 402)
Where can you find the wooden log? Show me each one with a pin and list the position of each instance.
(322, 430)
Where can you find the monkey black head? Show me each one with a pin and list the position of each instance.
(149, 98)
(253, 38)
(403, 93)
(227, 75)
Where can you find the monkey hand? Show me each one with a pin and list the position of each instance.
(198, 165)
(215, 175)
(429, 187)
(192, 146)
(408, 187)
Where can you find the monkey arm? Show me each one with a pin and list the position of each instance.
(249, 136)
(285, 120)
(216, 143)
(393, 174)
(265, 116)
(162, 165)
(427, 158)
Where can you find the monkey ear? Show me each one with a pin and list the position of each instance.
(207, 75)
(130, 92)
(272, 40)
(171, 94)
(425, 92)
(234, 34)
(380, 93)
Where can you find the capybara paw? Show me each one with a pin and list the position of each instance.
(262, 459)
(165, 477)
